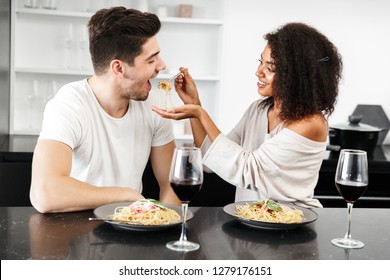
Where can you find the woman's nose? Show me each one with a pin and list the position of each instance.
(259, 71)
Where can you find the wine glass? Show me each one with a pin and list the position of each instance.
(186, 178)
(32, 98)
(351, 182)
(68, 40)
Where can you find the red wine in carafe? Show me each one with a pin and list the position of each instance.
(186, 189)
(351, 191)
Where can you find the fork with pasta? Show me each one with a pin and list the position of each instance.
(166, 85)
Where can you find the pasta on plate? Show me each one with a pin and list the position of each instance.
(269, 211)
(145, 212)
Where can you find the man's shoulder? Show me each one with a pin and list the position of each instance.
(73, 88)
(72, 93)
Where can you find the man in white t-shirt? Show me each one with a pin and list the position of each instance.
(99, 133)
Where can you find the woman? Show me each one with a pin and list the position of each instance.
(277, 148)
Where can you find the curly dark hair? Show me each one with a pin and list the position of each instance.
(119, 33)
(307, 71)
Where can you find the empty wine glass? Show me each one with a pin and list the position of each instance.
(351, 182)
(32, 97)
(82, 49)
(186, 178)
(68, 42)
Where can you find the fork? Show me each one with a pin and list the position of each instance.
(175, 76)
(110, 220)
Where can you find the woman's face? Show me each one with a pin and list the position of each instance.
(265, 73)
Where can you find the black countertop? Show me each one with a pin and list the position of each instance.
(26, 234)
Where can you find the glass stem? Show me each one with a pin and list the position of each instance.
(183, 236)
(348, 234)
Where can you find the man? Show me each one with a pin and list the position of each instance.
(98, 133)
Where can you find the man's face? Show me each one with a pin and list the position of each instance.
(136, 80)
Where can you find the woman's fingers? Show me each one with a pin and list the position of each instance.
(169, 114)
(177, 113)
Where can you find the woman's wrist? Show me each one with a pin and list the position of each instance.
(193, 102)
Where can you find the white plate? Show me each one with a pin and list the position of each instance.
(103, 212)
(308, 217)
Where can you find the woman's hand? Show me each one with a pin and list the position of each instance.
(179, 113)
(186, 88)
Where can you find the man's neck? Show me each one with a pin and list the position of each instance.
(108, 96)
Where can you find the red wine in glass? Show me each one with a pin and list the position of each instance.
(186, 178)
(351, 181)
(351, 191)
(186, 190)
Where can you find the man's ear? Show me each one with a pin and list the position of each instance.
(117, 68)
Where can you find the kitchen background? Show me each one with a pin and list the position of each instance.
(220, 41)
(359, 28)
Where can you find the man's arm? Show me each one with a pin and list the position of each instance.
(53, 190)
(161, 158)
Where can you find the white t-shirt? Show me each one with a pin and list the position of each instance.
(107, 151)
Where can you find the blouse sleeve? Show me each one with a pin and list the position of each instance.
(284, 167)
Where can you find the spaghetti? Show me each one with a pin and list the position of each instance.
(269, 211)
(145, 212)
(165, 85)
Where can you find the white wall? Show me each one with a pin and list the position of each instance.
(359, 28)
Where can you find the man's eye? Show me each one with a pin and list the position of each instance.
(261, 62)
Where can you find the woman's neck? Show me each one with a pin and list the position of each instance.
(274, 118)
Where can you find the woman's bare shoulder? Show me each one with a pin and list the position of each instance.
(314, 127)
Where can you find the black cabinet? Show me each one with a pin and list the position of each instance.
(15, 169)
(15, 178)
(378, 191)
(214, 192)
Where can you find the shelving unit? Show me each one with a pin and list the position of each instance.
(49, 48)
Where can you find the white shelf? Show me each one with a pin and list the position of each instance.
(44, 12)
(210, 78)
(40, 57)
(75, 72)
(87, 15)
(191, 21)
